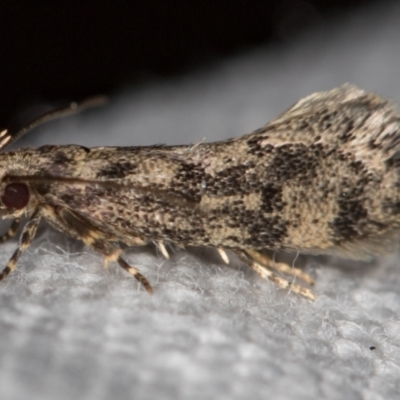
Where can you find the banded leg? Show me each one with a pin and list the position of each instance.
(111, 253)
(12, 230)
(284, 268)
(94, 237)
(265, 273)
(136, 274)
(26, 238)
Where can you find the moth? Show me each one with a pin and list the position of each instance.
(322, 178)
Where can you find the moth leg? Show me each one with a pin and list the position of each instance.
(26, 238)
(163, 250)
(12, 230)
(223, 255)
(113, 254)
(82, 229)
(284, 268)
(265, 273)
(135, 272)
(105, 263)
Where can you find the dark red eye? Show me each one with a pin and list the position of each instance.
(15, 196)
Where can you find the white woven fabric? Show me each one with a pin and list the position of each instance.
(69, 329)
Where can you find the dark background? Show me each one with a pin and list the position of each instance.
(70, 50)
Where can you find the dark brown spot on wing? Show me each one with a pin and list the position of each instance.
(271, 197)
(116, 170)
(188, 180)
(293, 161)
(351, 215)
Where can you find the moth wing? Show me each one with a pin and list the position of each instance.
(361, 249)
(370, 247)
(80, 222)
(315, 101)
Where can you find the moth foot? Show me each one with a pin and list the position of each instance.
(284, 268)
(256, 261)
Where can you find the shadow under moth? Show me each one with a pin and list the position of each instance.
(322, 178)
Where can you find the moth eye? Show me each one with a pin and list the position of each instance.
(15, 196)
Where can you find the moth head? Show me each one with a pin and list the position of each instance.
(15, 196)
